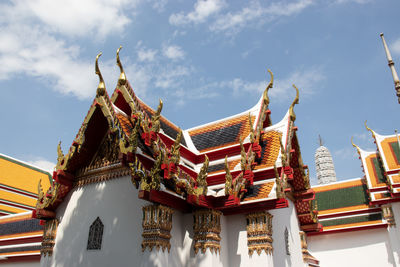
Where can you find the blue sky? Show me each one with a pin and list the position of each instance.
(206, 60)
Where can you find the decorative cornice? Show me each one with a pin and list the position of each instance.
(102, 174)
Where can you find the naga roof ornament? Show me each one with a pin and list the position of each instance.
(295, 101)
(269, 86)
(101, 88)
(354, 145)
(122, 76)
(369, 129)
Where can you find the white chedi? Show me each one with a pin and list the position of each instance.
(324, 166)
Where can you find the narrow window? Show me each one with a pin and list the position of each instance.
(95, 235)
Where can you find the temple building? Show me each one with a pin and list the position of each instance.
(20, 234)
(134, 189)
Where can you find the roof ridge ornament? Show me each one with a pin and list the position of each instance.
(122, 76)
(295, 101)
(358, 148)
(269, 86)
(101, 88)
(392, 68)
(369, 129)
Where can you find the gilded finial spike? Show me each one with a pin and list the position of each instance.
(101, 88)
(369, 129)
(122, 76)
(269, 86)
(354, 144)
(320, 140)
(295, 101)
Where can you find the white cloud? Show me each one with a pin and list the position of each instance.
(395, 47)
(203, 9)
(33, 43)
(173, 52)
(43, 164)
(346, 153)
(146, 54)
(171, 76)
(34, 52)
(233, 23)
(353, 1)
(159, 5)
(75, 17)
(240, 86)
(306, 80)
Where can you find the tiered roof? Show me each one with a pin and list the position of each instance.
(345, 205)
(20, 238)
(236, 164)
(18, 185)
(357, 204)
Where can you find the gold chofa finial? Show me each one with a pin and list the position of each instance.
(122, 76)
(295, 101)
(354, 144)
(269, 86)
(101, 88)
(369, 129)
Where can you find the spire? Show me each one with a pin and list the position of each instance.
(320, 140)
(324, 165)
(391, 66)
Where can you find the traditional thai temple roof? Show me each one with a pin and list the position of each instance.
(18, 185)
(361, 203)
(345, 205)
(234, 164)
(20, 237)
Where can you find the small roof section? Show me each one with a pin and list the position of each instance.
(19, 185)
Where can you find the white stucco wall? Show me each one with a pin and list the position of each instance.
(358, 248)
(286, 218)
(394, 233)
(116, 203)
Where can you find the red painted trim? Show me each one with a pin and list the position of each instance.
(339, 214)
(191, 172)
(304, 195)
(257, 206)
(16, 258)
(16, 205)
(21, 240)
(393, 172)
(17, 191)
(378, 189)
(357, 228)
(165, 199)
